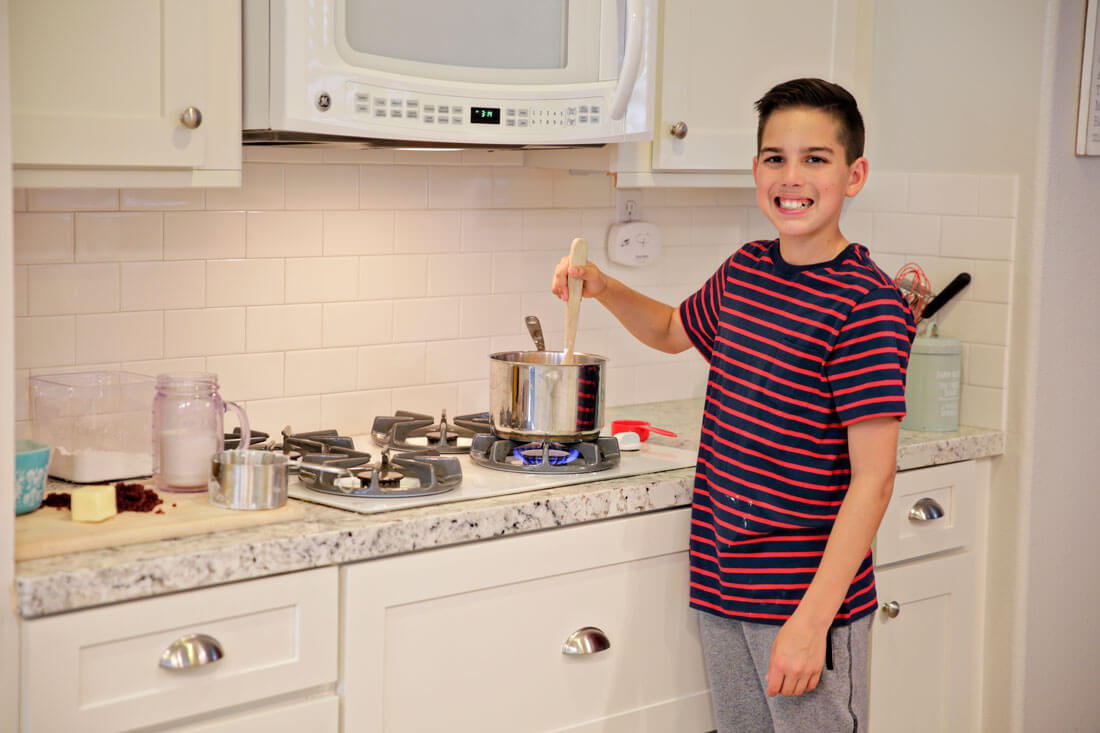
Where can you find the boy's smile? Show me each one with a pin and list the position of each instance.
(802, 180)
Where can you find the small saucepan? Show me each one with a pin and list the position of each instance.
(641, 427)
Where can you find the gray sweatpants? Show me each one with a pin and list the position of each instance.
(737, 656)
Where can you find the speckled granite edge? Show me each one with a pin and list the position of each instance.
(329, 536)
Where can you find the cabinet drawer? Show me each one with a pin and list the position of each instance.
(318, 715)
(98, 670)
(482, 628)
(951, 491)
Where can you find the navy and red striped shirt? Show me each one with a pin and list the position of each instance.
(797, 354)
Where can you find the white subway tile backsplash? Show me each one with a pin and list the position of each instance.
(463, 187)
(353, 413)
(357, 232)
(427, 231)
(355, 324)
(203, 235)
(45, 341)
(911, 234)
(283, 327)
(426, 319)
(204, 331)
(453, 361)
(245, 282)
(19, 289)
(160, 285)
(492, 231)
(582, 189)
(72, 199)
(465, 274)
(337, 285)
(248, 376)
(489, 315)
(300, 414)
(119, 337)
(428, 398)
(119, 236)
(391, 365)
(162, 199)
(551, 229)
(321, 371)
(65, 289)
(261, 188)
(322, 186)
(997, 196)
(321, 279)
(393, 187)
(393, 276)
(42, 238)
(522, 188)
(284, 234)
(977, 237)
(943, 194)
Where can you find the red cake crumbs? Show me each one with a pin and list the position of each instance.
(128, 498)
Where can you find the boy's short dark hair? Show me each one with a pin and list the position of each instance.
(816, 94)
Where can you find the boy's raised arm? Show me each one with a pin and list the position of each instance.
(652, 322)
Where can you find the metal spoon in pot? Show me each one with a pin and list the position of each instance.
(535, 329)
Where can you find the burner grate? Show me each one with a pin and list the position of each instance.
(413, 431)
(419, 473)
(545, 457)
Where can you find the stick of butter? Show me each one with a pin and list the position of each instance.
(94, 503)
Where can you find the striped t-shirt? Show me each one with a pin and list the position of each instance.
(796, 353)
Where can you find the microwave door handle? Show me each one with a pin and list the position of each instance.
(632, 59)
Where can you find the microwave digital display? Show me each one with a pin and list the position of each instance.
(485, 115)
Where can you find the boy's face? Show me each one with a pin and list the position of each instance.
(802, 177)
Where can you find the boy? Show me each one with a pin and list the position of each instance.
(808, 343)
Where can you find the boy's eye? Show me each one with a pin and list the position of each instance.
(774, 159)
(816, 159)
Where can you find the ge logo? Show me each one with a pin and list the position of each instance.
(324, 101)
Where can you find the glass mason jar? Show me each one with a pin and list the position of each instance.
(188, 429)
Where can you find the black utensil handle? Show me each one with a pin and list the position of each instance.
(961, 281)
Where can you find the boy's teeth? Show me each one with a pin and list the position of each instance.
(789, 204)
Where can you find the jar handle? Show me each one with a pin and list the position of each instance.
(242, 418)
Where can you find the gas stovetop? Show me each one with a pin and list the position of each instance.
(479, 482)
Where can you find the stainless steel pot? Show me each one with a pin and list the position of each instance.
(533, 396)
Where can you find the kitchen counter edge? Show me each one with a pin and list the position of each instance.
(327, 536)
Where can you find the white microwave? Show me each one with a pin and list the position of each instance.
(457, 73)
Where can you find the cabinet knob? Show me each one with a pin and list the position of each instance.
(892, 609)
(193, 650)
(679, 130)
(588, 640)
(926, 510)
(191, 118)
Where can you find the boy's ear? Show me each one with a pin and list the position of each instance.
(754, 159)
(857, 176)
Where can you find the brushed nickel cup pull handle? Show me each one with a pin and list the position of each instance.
(193, 650)
(588, 640)
(926, 510)
(892, 609)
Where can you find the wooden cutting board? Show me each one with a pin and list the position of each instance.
(49, 531)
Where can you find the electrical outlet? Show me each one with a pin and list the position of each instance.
(628, 204)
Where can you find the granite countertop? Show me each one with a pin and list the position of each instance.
(329, 536)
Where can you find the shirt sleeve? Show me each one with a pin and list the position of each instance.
(866, 368)
(700, 312)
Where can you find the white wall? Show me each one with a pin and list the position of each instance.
(1061, 500)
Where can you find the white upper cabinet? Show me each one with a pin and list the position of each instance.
(717, 57)
(126, 92)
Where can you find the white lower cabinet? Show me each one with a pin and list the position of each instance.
(99, 669)
(471, 638)
(926, 633)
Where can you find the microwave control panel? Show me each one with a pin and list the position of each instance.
(410, 111)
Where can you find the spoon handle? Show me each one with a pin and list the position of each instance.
(578, 256)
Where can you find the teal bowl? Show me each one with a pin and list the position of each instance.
(31, 461)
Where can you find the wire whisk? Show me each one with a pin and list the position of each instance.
(915, 288)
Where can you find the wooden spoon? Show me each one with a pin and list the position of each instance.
(578, 256)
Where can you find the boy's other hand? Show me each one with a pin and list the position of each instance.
(798, 656)
(594, 280)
